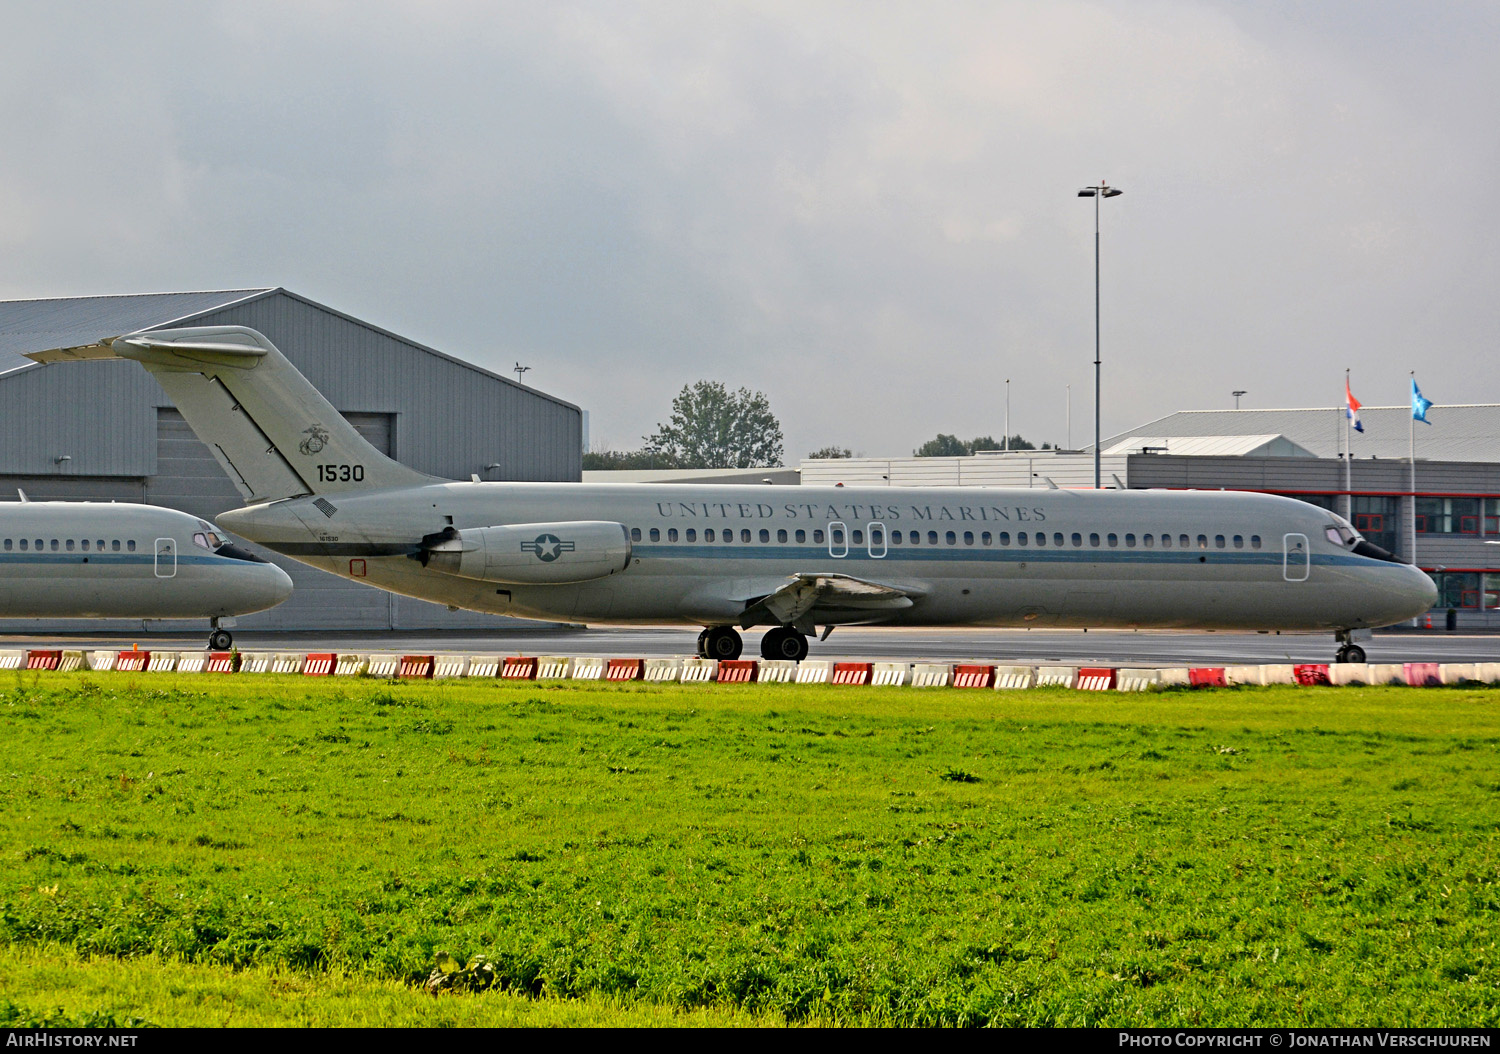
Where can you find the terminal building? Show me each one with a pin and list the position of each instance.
(1441, 512)
(105, 430)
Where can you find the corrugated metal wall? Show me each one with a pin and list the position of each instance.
(125, 441)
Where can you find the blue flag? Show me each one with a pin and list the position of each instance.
(1419, 404)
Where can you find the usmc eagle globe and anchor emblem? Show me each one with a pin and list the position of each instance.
(317, 439)
(547, 547)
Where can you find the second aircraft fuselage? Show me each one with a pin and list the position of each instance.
(965, 556)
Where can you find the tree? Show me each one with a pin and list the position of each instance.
(951, 446)
(830, 453)
(712, 427)
(596, 460)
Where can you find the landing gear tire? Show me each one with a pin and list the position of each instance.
(1351, 653)
(220, 640)
(783, 642)
(720, 642)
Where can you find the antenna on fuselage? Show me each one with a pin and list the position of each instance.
(23, 494)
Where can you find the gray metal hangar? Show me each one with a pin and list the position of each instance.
(105, 430)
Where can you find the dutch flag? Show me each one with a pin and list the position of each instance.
(1353, 408)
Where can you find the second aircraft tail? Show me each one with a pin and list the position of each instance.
(274, 433)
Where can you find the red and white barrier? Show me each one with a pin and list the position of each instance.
(155, 662)
(1011, 678)
(319, 664)
(352, 665)
(1096, 678)
(446, 666)
(736, 671)
(625, 670)
(1207, 677)
(43, 660)
(417, 666)
(1057, 676)
(814, 671)
(1137, 680)
(489, 666)
(698, 671)
(663, 671)
(891, 674)
(970, 675)
(553, 667)
(220, 662)
(851, 673)
(931, 675)
(776, 671)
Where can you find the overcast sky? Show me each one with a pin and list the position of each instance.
(866, 210)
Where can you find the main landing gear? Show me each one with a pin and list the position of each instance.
(1348, 650)
(220, 639)
(719, 642)
(783, 642)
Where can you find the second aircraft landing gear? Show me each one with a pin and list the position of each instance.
(219, 639)
(783, 642)
(719, 642)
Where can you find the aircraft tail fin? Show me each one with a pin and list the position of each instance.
(274, 433)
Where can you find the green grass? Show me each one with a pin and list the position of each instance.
(290, 850)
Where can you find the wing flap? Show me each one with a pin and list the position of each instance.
(828, 598)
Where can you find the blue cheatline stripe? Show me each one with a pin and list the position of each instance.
(966, 554)
(16, 559)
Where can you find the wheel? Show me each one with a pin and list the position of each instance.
(783, 642)
(1353, 653)
(721, 642)
(703, 644)
(219, 640)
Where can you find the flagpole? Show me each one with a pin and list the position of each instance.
(1348, 453)
(1411, 428)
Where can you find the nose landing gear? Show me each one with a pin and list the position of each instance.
(1348, 650)
(220, 639)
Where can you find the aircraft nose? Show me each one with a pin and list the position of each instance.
(1413, 593)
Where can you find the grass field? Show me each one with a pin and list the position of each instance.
(264, 850)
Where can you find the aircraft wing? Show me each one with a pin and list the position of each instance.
(829, 599)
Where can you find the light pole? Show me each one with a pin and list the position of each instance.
(1103, 190)
(1006, 445)
(1237, 395)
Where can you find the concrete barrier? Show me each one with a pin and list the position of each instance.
(777, 671)
(521, 668)
(1056, 676)
(288, 662)
(488, 666)
(256, 661)
(1136, 680)
(1174, 677)
(1346, 673)
(588, 669)
(1278, 673)
(1096, 678)
(191, 661)
(553, 667)
(624, 670)
(973, 675)
(1311, 673)
(1387, 673)
(351, 664)
(736, 671)
(419, 666)
(931, 675)
(1015, 676)
(698, 671)
(1489, 672)
(219, 662)
(1459, 673)
(1244, 675)
(319, 664)
(99, 661)
(1421, 674)
(851, 673)
(663, 671)
(814, 671)
(892, 674)
(152, 662)
(38, 659)
(71, 660)
(450, 666)
(1207, 677)
(12, 660)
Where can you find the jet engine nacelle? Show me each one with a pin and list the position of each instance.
(530, 553)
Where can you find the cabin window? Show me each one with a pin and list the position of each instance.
(635, 534)
(115, 545)
(1202, 541)
(1148, 540)
(838, 535)
(54, 545)
(85, 545)
(68, 545)
(708, 534)
(895, 537)
(40, 545)
(745, 534)
(691, 534)
(7, 545)
(655, 535)
(1057, 538)
(1166, 541)
(1020, 538)
(1094, 540)
(932, 537)
(1239, 541)
(727, 535)
(859, 536)
(952, 538)
(1255, 541)
(1004, 537)
(1183, 540)
(916, 538)
(1041, 538)
(1130, 541)
(801, 536)
(23, 545)
(877, 536)
(101, 545)
(781, 535)
(818, 536)
(130, 545)
(765, 535)
(1218, 541)
(671, 534)
(986, 538)
(1114, 540)
(1078, 539)
(968, 537)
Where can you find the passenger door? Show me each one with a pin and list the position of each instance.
(1296, 559)
(166, 557)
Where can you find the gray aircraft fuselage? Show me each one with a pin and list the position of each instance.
(73, 559)
(963, 556)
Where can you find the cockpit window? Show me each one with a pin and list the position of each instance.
(1341, 534)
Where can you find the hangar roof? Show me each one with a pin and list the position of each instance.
(1210, 446)
(1456, 433)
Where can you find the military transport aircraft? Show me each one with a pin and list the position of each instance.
(734, 557)
(80, 559)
